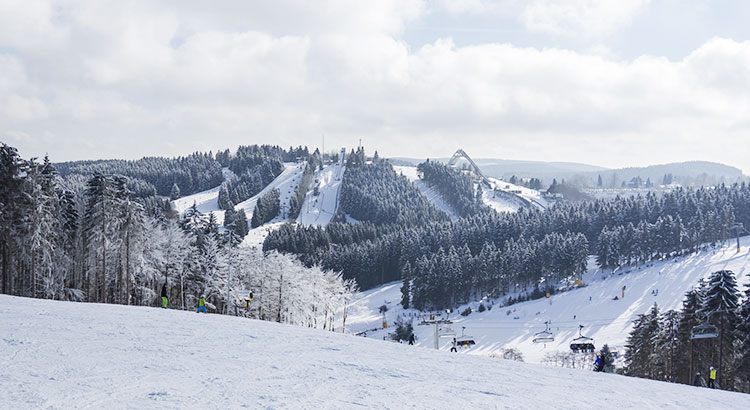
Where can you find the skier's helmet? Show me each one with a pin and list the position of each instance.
(711, 368)
(203, 296)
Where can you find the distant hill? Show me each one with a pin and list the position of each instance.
(694, 173)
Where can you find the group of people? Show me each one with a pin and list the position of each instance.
(201, 300)
(165, 300)
(698, 380)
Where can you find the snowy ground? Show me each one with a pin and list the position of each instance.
(606, 320)
(65, 355)
(531, 195)
(320, 209)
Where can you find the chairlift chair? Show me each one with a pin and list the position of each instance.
(544, 336)
(704, 330)
(465, 340)
(582, 343)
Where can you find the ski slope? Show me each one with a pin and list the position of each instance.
(432, 195)
(501, 202)
(503, 197)
(66, 355)
(207, 202)
(606, 320)
(320, 209)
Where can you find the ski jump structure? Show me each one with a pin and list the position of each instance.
(460, 153)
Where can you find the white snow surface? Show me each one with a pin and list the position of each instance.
(606, 320)
(501, 205)
(320, 209)
(66, 355)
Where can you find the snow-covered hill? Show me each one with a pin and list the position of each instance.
(316, 210)
(432, 195)
(502, 197)
(319, 209)
(207, 202)
(65, 355)
(606, 320)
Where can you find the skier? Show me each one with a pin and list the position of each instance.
(411, 339)
(712, 377)
(455, 346)
(598, 363)
(202, 304)
(164, 295)
(698, 380)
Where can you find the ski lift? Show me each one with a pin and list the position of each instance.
(704, 330)
(582, 343)
(446, 331)
(465, 340)
(544, 336)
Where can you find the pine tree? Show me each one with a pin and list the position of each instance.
(742, 369)
(720, 304)
(406, 285)
(608, 358)
(684, 355)
(640, 344)
(174, 193)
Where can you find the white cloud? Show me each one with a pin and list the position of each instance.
(588, 18)
(145, 79)
(569, 18)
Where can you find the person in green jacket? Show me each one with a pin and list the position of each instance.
(202, 304)
(164, 295)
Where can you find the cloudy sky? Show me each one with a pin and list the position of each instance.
(606, 82)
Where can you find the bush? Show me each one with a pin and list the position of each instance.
(466, 312)
(481, 307)
(383, 309)
(404, 330)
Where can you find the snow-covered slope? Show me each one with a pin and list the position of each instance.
(606, 320)
(207, 202)
(504, 195)
(320, 209)
(64, 355)
(433, 196)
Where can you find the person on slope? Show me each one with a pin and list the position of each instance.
(698, 380)
(202, 304)
(712, 377)
(455, 346)
(164, 295)
(598, 363)
(411, 339)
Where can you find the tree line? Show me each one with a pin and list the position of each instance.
(154, 175)
(90, 240)
(377, 252)
(660, 346)
(455, 187)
